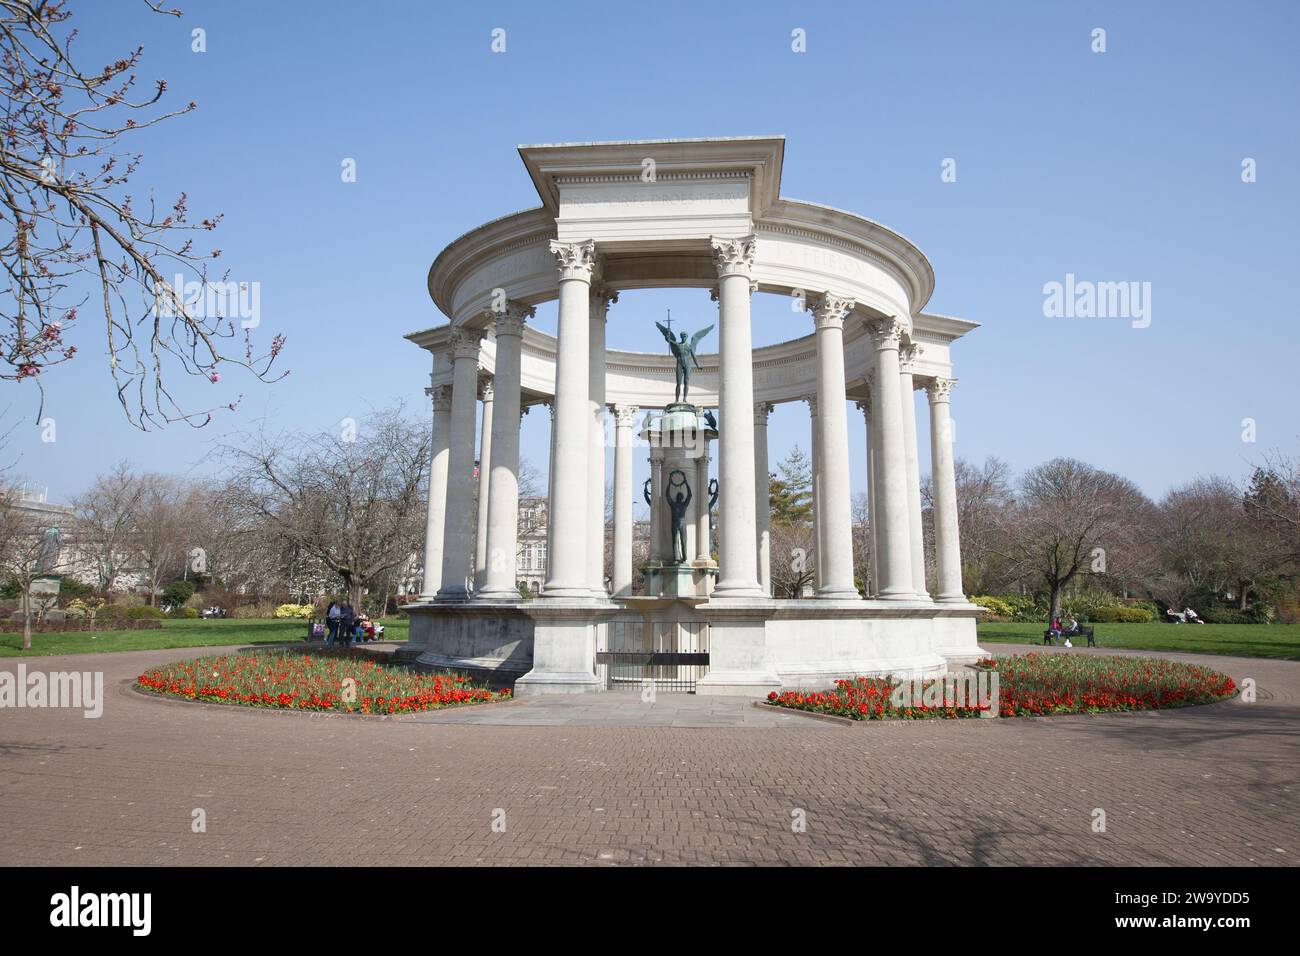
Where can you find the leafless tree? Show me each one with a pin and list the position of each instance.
(793, 556)
(163, 518)
(1068, 518)
(357, 506)
(77, 233)
(27, 550)
(983, 500)
(106, 516)
(861, 515)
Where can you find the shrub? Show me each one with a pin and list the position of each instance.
(111, 612)
(143, 613)
(303, 611)
(261, 609)
(1260, 614)
(70, 589)
(1086, 603)
(1027, 608)
(177, 593)
(184, 613)
(999, 609)
(1121, 615)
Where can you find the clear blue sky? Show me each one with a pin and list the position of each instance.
(1117, 166)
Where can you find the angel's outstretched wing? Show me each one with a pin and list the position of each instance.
(695, 339)
(667, 333)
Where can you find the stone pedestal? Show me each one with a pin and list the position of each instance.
(564, 647)
(694, 580)
(739, 663)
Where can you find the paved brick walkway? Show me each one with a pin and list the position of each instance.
(1199, 786)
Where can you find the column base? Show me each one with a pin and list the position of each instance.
(737, 684)
(564, 646)
(535, 683)
(838, 594)
(567, 593)
(497, 596)
(738, 654)
(723, 591)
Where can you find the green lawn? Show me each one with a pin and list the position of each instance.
(1243, 640)
(182, 633)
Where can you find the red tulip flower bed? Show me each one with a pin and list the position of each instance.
(1035, 685)
(317, 681)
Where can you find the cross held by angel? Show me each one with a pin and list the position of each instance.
(684, 352)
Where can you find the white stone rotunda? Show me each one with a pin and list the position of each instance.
(706, 214)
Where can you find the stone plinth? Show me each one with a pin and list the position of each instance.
(494, 640)
(564, 647)
(693, 580)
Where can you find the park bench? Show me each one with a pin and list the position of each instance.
(1082, 632)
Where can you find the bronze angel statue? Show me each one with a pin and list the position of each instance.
(684, 352)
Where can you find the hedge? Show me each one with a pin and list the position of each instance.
(1121, 615)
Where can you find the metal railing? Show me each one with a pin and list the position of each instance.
(668, 655)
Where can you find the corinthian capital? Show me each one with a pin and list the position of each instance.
(577, 260)
(441, 396)
(733, 257)
(602, 296)
(511, 318)
(625, 416)
(464, 343)
(864, 405)
(886, 333)
(830, 310)
(939, 388)
(908, 356)
(761, 412)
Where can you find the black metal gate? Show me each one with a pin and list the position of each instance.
(668, 656)
(668, 671)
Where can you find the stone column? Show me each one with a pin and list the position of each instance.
(484, 476)
(503, 490)
(891, 465)
(834, 509)
(738, 572)
(567, 573)
(436, 512)
(550, 484)
(872, 583)
(762, 495)
(598, 310)
(816, 487)
(624, 418)
(907, 357)
(947, 543)
(703, 551)
(657, 523)
(457, 557)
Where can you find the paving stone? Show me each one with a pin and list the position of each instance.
(596, 782)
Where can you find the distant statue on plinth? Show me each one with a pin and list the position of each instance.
(678, 496)
(684, 352)
(47, 559)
